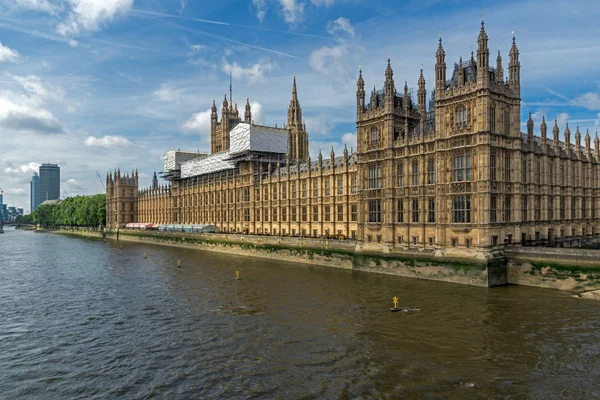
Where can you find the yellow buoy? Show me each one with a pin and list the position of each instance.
(178, 263)
(237, 275)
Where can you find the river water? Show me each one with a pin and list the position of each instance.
(84, 319)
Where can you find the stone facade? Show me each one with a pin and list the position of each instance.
(455, 178)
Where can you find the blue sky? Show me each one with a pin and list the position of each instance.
(99, 84)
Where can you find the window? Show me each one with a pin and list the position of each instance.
(493, 208)
(573, 215)
(492, 118)
(507, 167)
(266, 194)
(430, 241)
(538, 172)
(400, 174)
(327, 213)
(284, 215)
(340, 213)
(468, 242)
(294, 190)
(374, 136)
(257, 195)
(454, 242)
(354, 186)
(294, 214)
(257, 214)
(274, 215)
(507, 208)
(461, 117)
(400, 210)
(375, 176)
(415, 210)
(315, 213)
(266, 214)
(274, 192)
(537, 207)
(340, 186)
(462, 167)
(524, 170)
(354, 212)
(283, 191)
(246, 194)
(493, 167)
(247, 215)
(430, 171)
(550, 207)
(462, 209)
(304, 192)
(431, 210)
(375, 211)
(304, 214)
(327, 187)
(524, 208)
(415, 173)
(507, 122)
(315, 188)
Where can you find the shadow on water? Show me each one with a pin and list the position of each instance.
(83, 318)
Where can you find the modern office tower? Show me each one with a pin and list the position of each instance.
(49, 182)
(34, 191)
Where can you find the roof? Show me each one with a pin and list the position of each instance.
(246, 137)
(50, 203)
(213, 163)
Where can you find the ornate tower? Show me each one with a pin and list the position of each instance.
(298, 138)
(154, 181)
(422, 95)
(360, 95)
(440, 71)
(514, 67)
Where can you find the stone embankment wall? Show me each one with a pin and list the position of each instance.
(330, 253)
(558, 268)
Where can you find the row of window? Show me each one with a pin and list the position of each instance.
(461, 212)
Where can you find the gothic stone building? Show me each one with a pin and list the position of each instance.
(457, 177)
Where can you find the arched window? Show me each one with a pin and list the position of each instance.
(374, 139)
(507, 121)
(461, 117)
(492, 117)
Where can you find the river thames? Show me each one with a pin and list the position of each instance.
(85, 319)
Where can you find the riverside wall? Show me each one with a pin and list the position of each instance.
(570, 269)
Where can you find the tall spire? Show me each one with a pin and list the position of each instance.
(514, 66)
(298, 138)
(499, 70)
(483, 56)
(360, 94)
(390, 87)
(422, 95)
(555, 135)
(440, 70)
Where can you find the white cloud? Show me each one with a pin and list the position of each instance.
(89, 15)
(14, 191)
(8, 54)
(324, 3)
(74, 186)
(340, 26)
(347, 140)
(257, 111)
(319, 125)
(562, 119)
(107, 142)
(168, 94)
(589, 100)
(293, 11)
(25, 113)
(254, 72)
(198, 123)
(196, 48)
(37, 5)
(26, 169)
(261, 9)
(329, 60)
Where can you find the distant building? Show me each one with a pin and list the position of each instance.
(49, 182)
(34, 191)
(1, 198)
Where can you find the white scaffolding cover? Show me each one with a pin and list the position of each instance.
(174, 158)
(200, 166)
(245, 137)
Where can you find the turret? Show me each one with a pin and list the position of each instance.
(332, 157)
(483, 56)
(555, 137)
(578, 141)
(568, 139)
(345, 154)
(597, 147)
(461, 73)
(320, 159)
(440, 70)
(360, 94)
(499, 70)
(514, 67)
(154, 181)
(422, 96)
(588, 144)
(530, 131)
(544, 132)
(248, 113)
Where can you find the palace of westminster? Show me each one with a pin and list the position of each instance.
(457, 177)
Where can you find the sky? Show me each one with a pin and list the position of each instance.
(98, 84)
